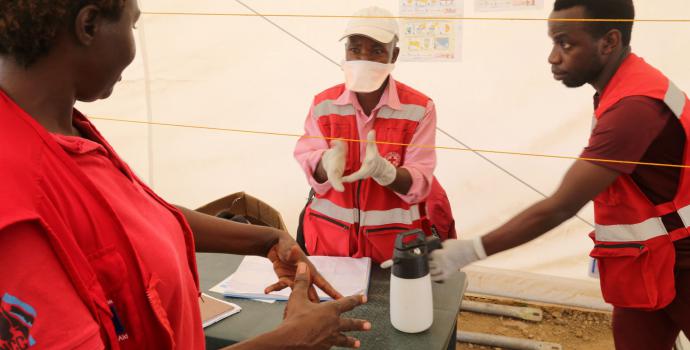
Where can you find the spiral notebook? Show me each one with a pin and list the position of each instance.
(349, 276)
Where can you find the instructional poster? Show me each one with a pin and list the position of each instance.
(435, 36)
(507, 5)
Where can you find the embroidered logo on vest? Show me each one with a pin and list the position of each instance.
(16, 320)
(394, 158)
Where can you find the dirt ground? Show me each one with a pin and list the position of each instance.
(574, 329)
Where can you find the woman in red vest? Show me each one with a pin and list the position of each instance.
(642, 212)
(91, 257)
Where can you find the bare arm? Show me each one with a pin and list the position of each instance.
(403, 181)
(320, 174)
(268, 341)
(215, 235)
(582, 183)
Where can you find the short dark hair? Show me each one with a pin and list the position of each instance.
(604, 9)
(28, 28)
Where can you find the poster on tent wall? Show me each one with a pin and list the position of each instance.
(507, 5)
(435, 36)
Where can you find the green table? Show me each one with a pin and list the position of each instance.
(257, 317)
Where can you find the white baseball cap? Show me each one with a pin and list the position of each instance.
(373, 22)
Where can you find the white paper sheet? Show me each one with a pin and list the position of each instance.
(349, 276)
(220, 288)
(435, 36)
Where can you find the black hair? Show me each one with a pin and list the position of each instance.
(604, 9)
(28, 28)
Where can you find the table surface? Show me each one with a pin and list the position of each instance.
(258, 317)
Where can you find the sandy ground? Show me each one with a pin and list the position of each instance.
(574, 329)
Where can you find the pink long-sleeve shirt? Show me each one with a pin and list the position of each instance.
(419, 161)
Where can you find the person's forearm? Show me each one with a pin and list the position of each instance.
(402, 182)
(215, 235)
(526, 226)
(268, 341)
(582, 183)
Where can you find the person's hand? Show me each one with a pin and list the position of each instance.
(309, 325)
(333, 162)
(455, 255)
(374, 166)
(285, 255)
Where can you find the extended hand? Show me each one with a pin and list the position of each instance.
(285, 255)
(310, 325)
(455, 255)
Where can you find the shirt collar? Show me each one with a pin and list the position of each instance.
(77, 144)
(389, 97)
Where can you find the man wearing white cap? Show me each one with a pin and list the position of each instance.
(366, 193)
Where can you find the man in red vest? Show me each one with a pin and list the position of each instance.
(642, 212)
(364, 193)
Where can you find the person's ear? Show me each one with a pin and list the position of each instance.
(87, 24)
(610, 42)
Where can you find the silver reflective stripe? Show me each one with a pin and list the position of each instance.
(368, 218)
(330, 209)
(414, 113)
(643, 231)
(675, 99)
(327, 107)
(391, 216)
(684, 214)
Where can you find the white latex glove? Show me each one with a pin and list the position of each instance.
(333, 162)
(374, 166)
(455, 255)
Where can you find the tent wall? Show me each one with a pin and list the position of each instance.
(244, 73)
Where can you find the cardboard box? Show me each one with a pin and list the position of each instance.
(252, 208)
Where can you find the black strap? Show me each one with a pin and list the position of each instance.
(300, 225)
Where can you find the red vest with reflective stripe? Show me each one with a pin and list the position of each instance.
(364, 220)
(40, 183)
(634, 249)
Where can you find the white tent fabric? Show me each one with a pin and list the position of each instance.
(246, 73)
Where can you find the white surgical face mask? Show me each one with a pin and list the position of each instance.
(365, 76)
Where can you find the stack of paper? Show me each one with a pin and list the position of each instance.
(349, 276)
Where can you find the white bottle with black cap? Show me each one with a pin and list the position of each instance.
(411, 301)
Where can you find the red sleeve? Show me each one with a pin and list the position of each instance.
(38, 302)
(626, 131)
